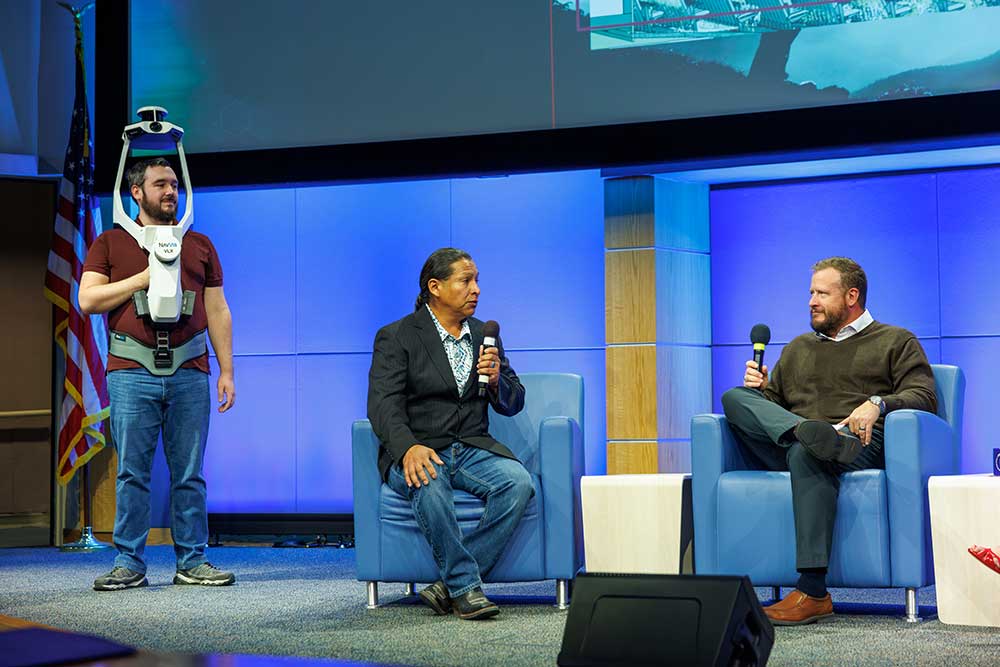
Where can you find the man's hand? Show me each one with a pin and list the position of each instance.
(862, 421)
(489, 365)
(99, 295)
(417, 465)
(753, 378)
(227, 392)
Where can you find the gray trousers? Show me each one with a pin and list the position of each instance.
(763, 430)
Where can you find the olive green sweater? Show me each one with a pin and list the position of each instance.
(818, 378)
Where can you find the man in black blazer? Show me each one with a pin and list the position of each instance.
(425, 408)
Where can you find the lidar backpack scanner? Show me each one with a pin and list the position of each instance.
(163, 302)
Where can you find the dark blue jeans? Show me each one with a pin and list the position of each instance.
(502, 483)
(143, 405)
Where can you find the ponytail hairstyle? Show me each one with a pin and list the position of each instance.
(437, 267)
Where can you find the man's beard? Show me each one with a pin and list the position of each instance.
(831, 325)
(156, 212)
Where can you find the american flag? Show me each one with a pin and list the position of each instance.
(83, 338)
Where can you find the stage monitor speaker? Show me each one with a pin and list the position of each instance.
(657, 619)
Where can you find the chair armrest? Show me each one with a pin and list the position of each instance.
(560, 451)
(367, 487)
(918, 444)
(714, 450)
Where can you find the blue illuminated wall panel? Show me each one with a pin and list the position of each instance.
(683, 314)
(253, 232)
(980, 359)
(250, 460)
(685, 374)
(928, 243)
(687, 390)
(331, 393)
(312, 273)
(766, 238)
(969, 209)
(359, 252)
(970, 320)
(538, 242)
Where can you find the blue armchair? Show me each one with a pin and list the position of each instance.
(547, 437)
(743, 517)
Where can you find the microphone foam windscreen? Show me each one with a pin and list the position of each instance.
(761, 333)
(492, 329)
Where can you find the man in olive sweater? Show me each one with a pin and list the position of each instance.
(821, 412)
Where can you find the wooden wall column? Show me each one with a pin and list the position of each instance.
(657, 321)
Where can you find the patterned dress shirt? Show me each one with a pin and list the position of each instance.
(458, 350)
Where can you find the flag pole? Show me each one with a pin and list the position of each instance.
(87, 541)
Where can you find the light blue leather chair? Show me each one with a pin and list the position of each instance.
(743, 521)
(547, 437)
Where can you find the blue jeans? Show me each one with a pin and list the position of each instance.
(502, 483)
(143, 404)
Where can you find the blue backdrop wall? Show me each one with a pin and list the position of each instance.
(928, 243)
(312, 273)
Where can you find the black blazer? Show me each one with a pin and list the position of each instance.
(413, 397)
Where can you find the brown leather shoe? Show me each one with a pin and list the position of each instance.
(799, 609)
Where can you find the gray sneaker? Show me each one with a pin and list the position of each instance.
(119, 578)
(205, 574)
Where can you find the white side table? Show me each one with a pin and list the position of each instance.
(965, 510)
(638, 523)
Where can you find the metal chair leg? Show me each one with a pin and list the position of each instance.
(372, 594)
(562, 594)
(776, 593)
(410, 589)
(912, 611)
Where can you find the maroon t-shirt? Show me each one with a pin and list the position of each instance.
(118, 256)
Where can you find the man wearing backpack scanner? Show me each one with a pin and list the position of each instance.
(158, 377)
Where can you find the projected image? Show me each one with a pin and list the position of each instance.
(665, 21)
(361, 71)
(859, 49)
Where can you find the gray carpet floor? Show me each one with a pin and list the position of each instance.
(306, 602)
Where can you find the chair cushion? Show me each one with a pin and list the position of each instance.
(757, 529)
(407, 556)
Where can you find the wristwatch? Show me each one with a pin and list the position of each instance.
(877, 400)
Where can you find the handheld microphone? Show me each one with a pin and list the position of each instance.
(491, 331)
(760, 336)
